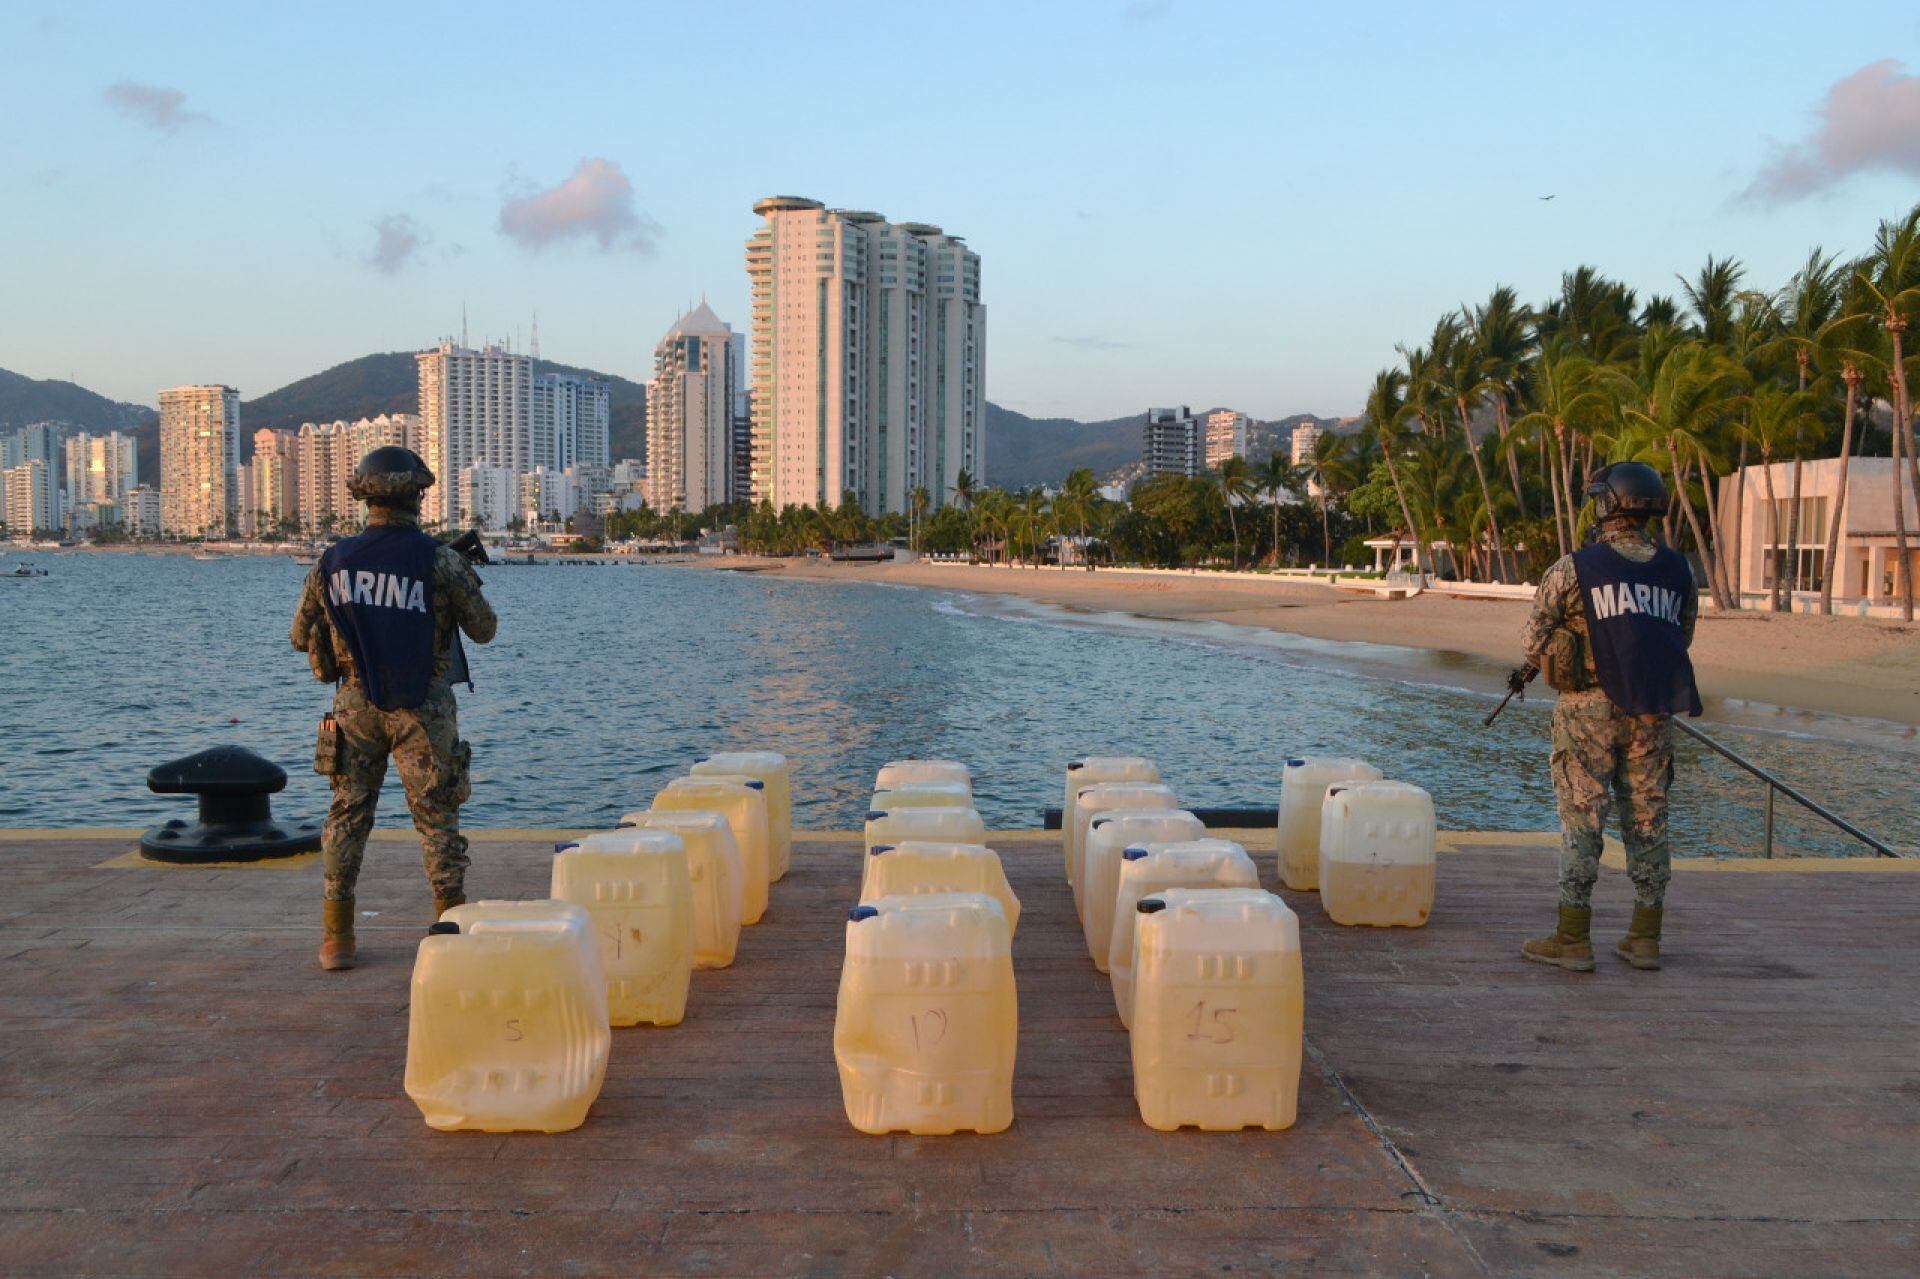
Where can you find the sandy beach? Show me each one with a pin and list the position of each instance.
(1836, 665)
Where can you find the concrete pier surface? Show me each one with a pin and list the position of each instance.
(182, 1092)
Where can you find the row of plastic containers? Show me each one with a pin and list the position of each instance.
(512, 1001)
(1366, 845)
(927, 1017)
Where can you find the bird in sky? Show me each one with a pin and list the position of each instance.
(1549, 197)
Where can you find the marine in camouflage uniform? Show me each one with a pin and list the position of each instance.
(1602, 756)
(423, 741)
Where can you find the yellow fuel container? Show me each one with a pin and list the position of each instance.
(926, 1025)
(1093, 800)
(743, 802)
(901, 772)
(1303, 788)
(635, 887)
(922, 867)
(1091, 771)
(1376, 854)
(507, 1028)
(928, 825)
(770, 768)
(1110, 834)
(1217, 1009)
(713, 866)
(924, 795)
(1147, 870)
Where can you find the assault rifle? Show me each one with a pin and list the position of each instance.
(1517, 682)
(470, 545)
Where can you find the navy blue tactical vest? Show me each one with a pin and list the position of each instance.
(1633, 623)
(378, 588)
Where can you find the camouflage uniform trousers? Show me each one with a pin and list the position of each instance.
(425, 743)
(1602, 756)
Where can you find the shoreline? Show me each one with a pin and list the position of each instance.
(1756, 669)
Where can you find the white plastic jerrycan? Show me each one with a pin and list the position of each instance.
(713, 864)
(1150, 869)
(1092, 771)
(1303, 788)
(770, 768)
(924, 795)
(928, 825)
(508, 1024)
(927, 1021)
(1110, 834)
(1090, 803)
(743, 802)
(923, 867)
(635, 886)
(1376, 854)
(901, 772)
(1217, 1009)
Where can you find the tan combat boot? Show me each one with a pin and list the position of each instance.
(441, 905)
(336, 946)
(1641, 946)
(1568, 946)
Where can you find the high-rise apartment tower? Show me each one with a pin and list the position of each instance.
(690, 414)
(475, 410)
(868, 358)
(199, 460)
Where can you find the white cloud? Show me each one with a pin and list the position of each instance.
(157, 107)
(397, 239)
(1870, 122)
(595, 203)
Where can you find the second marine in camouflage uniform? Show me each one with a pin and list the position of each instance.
(423, 741)
(1604, 756)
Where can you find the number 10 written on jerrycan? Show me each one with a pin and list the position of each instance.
(927, 1019)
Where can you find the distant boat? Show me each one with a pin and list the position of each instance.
(207, 555)
(303, 557)
(26, 570)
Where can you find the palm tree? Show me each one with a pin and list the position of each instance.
(1387, 412)
(1778, 425)
(1573, 397)
(1837, 346)
(1236, 482)
(1076, 500)
(1461, 378)
(1502, 329)
(1276, 478)
(1324, 470)
(918, 505)
(1892, 275)
(1711, 296)
(1697, 390)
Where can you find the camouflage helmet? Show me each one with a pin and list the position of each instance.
(390, 472)
(1626, 490)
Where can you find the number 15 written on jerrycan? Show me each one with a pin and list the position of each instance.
(927, 1019)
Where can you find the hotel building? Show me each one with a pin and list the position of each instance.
(570, 420)
(691, 404)
(199, 460)
(1226, 436)
(100, 468)
(1171, 442)
(476, 409)
(1306, 438)
(29, 498)
(868, 358)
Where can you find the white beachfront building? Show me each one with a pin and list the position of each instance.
(1867, 557)
(690, 414)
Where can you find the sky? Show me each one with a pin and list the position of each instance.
(1174, 201)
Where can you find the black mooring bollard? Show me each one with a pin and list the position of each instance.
(236, 814)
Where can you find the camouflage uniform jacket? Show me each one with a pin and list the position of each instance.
(457, 601)
(1555, 637)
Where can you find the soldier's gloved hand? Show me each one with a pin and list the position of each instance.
(1518, 679)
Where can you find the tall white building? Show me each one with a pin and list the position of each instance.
(691, 404)
(326, 454)
(101, 468)
(1306, 438)
(29, 498)
(1171, 442)
(476, 409)
(868, 358)
(570, 421)
(487, 496)
(276, 479)
(199, 460)
(1226, 436)
(142, 511)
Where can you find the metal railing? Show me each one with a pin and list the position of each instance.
(1775, 785)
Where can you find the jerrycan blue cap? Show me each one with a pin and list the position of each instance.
(1148, 905)
(1075, 765)
(878, 849)
(701, 759)
(874, 814)
(1296, 763)
(1133, 854)
(443, 928)
(564, 845)
(859, 913)
(625, 825)
(754, 783)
